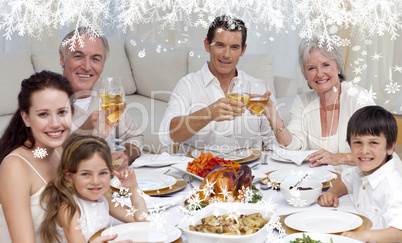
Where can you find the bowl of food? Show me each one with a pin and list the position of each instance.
(228, 222)
(303, 194)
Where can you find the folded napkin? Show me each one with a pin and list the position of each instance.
(161, 203)
(157, 160)
(296, 156)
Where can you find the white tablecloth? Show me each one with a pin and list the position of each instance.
(173, 216)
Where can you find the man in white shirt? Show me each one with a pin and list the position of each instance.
(83, 66)
(198, 104)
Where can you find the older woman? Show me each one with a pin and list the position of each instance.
(319, 118)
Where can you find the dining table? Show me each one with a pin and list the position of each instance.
(261, 164)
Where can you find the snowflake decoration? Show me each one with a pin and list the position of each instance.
(157, 219)
(397, 69)
(208, 189)
(39, 153)
(213, 200)
(392, 87)
(131, 211)
(297, 202)
(270, 183)
(133, 43)
(364, 97)
(377, 56)
(356, 48)
(141, 54)
(122, 197)
(356, 80)
(353, 91)
(234, 216)
(159, 49)
(358, 70)
(245, 194)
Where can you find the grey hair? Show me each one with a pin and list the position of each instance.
(307, 46)
(84, 31)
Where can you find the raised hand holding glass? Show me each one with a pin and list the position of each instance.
(112, 97)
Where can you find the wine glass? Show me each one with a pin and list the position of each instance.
(239, 90)
(258, 101)
(112, 97)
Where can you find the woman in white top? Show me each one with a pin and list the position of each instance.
(319, 117)
(29, 156)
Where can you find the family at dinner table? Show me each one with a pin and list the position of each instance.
(56, 167)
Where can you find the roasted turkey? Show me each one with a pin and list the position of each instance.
(225, 184)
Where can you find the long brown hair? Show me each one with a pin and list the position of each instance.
(59, 193)
(16, 134)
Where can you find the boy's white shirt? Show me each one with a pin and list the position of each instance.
(377, 196)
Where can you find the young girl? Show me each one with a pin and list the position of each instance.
(28, 154)
(75, 205)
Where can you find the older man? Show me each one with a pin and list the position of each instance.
(198, 104)
(82, 66)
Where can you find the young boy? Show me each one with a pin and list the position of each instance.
(375, 186)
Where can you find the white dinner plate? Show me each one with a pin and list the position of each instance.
(233, 156)
(149, 182)
(142, 232)
(291, 175)
(324, 238)
(323, 221)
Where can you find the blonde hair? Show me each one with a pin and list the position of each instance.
(59, 193)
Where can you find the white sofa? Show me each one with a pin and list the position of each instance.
(149, 72)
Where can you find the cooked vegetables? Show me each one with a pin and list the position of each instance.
(202, 165)
(306, 239)
(231, 224)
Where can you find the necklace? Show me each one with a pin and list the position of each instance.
(332, 118)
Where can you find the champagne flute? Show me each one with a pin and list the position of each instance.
(239, 90)
(112, 97)
(258, 101)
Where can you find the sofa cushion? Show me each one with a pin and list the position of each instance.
(148, 114)
(46, 59)
(156, 68)
(117, 64)
(14, 68)
(258, 66)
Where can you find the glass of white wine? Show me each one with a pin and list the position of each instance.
(111, 95)
(258, 101)
(239, 90)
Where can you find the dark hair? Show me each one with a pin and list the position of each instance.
(16, 133)
(373, 120)
(229, 23)
(59, 193)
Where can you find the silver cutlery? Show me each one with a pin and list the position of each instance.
(297, 183)
(189, 179)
